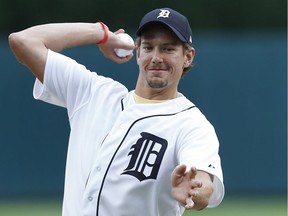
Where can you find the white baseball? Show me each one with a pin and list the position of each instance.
(127, 38)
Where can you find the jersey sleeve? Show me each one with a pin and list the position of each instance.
(66, 83)
(200, 148)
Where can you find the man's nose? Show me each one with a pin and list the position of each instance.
(157, 57)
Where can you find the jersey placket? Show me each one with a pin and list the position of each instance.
(97, 174)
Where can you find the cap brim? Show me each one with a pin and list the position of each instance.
(142, 28)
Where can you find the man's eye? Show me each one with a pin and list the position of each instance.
(147, 48)
(169, 49)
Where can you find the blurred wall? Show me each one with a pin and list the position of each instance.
(239, 81)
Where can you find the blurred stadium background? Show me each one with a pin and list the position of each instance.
(239, 81)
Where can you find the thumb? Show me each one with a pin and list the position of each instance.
(119, 31)
(180, 170)
(177, 174)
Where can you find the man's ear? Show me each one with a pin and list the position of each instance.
(189, 57)
(137, 54)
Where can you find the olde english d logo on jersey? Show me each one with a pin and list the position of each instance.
(146, 157)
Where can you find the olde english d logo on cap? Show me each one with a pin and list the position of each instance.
(164, 13)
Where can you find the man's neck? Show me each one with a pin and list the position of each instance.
(139, 99)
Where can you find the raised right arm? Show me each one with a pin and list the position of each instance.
(30, 45)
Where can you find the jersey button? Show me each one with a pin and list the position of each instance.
(98, 169)
(90, 198)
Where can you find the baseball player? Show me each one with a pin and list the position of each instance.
(149, 151)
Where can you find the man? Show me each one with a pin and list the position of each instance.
(149, 151)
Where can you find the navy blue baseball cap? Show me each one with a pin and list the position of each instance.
(175, 21)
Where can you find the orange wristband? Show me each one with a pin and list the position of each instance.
(105, 38)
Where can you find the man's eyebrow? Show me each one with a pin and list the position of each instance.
(171, 44)
(162, 44)
(146, 42)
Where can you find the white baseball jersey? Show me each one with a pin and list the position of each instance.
(121, 154)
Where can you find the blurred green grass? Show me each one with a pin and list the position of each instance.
(247, 206)
(30, 207)
(231, 206)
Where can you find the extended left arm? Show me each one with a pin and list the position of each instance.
(191, 188)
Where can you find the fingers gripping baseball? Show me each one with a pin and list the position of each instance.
(184, 185)
(113, 42)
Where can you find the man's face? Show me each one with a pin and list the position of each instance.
(161, 58)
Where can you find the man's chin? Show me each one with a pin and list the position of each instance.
(157, 84)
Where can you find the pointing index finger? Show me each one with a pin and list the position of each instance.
(192, 172)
